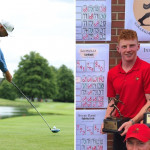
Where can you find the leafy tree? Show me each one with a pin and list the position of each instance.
(55, 71)
(7, 91)
(34, 77)
(65, 84)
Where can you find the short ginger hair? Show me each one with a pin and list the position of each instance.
(127, 34)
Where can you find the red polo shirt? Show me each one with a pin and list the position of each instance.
(131, 86)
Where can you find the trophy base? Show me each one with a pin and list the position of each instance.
(111, 125)
(112, 131)
(146, 119)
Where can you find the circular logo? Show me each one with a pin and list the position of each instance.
(141, 9)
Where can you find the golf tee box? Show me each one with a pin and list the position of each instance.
(111, 125)
(146, 119)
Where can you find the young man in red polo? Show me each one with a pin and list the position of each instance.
(138, 137)
(5, 28)
(131, 81)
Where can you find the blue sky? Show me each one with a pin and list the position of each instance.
(44, 26)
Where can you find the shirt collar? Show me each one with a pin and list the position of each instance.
(135, 67)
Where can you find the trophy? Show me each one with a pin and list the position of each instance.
(146, 119)
(112, 124)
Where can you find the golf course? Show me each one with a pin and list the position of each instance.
(29, 132)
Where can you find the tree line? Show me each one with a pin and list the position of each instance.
(40, 81)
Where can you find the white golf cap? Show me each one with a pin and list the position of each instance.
(8, 27)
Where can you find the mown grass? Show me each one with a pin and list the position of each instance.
(31, 133)
(16, 103)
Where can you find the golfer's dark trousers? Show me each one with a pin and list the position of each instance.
(119, 143)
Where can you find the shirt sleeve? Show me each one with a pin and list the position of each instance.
(3, 65)
(147, 80)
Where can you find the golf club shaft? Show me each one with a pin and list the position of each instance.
(31, 104)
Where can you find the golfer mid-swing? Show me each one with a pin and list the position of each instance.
(5, 28)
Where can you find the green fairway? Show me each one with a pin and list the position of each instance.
(31, 132)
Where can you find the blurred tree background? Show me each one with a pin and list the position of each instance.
(38, 80)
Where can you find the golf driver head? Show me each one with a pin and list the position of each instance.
(55, 130)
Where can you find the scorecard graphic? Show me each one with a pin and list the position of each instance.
(93, 20)
(92, 64)
(88, 135)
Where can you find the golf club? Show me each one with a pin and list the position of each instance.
(54, 129)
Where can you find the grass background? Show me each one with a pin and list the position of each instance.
(31, 132)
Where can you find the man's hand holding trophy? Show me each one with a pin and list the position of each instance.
(112, 124)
